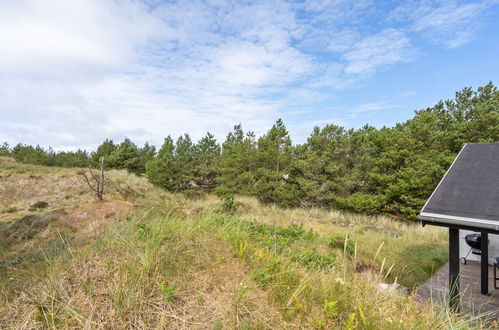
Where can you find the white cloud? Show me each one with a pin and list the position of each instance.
(343, 40)
(451, 23)
(387, 47)
(371, 107)
(71, 39)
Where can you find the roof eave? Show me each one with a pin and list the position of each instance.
(459, 222)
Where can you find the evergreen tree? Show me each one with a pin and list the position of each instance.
(160, 169)
(146, 153)
(104, 150)
(79, 158)
(184, 162)
(28, 154)
(126, 156)
(273, 158)
(323, 172)
(207, 154)
(5, 149)
(236, 166)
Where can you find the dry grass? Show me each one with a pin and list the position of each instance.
(148, 259)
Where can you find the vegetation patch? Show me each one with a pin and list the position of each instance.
(316, 259)
(40, 205)
(10, 210)
(344, 243)
(29, 226)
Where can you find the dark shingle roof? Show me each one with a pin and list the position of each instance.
(470, 188)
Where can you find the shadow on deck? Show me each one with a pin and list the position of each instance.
(437, 288)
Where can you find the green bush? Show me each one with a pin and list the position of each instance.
(264, 273)
(363, 203)
(315, 259)
(343, 242)
(228, 204)
(168, 291)
(10, 210)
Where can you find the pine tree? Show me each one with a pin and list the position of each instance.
(5, 149)
(146, 153)
(160, 170)
(320, 166)
(126, 156)
(104, 150)
(29, 154)
(273, 157)
(207, 154)
(237, 166)
(184, 162)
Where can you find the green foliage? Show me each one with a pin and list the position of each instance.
(160, 170)
(343, 242)
(273, 159)
(363, 203)
(104, 150)
(269, 269)
(236, 166)
(207, 153)
(39, 156)
(324, 166)
(10, 210)
(228, 204)
(28, 154)
(168, 291)
(5, 149)
(294, 231)
(126, 156)
(184, 165)
(146, 154)
(330, 309)
(184, 162)
(315, 259)
(79, 158)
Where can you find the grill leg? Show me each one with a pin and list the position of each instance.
(464, 258)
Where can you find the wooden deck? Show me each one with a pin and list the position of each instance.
(437, 288)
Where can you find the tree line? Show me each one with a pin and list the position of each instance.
(388, 170)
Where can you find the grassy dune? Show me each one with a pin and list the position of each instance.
(145, 258)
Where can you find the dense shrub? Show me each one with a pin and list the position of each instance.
(363, 203)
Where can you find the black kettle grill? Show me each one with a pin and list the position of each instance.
(474, 242)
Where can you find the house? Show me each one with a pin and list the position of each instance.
(467, 201)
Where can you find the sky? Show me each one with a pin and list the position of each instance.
(73, 73)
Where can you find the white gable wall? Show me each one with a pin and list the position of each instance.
(464, 248)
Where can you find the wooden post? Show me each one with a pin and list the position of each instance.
(484, 262)
(454, 269)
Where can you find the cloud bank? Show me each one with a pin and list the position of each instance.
(75, 72)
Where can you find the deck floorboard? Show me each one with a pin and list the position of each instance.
(437, 288)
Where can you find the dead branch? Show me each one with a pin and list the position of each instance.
(98, 185)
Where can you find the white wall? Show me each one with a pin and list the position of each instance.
(464, 248)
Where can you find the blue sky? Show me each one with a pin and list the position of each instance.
(73, 73)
